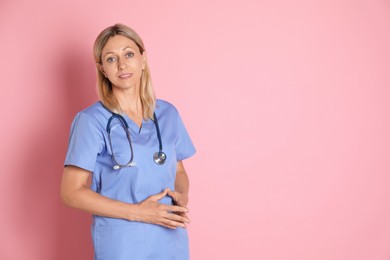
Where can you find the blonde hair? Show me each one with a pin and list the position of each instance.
(148, 99)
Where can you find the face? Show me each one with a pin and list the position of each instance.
(122, 63)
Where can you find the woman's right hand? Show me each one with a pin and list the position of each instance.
(151, 211)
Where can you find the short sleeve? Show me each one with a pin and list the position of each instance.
(86, 142)
(184, 146)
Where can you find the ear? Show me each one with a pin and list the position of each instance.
(100, 68)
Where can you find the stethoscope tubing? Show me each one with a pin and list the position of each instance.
(126, 127)
(158, 157)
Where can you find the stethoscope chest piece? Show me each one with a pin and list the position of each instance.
(159, 157)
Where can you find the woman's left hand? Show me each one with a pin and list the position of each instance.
(179, 198)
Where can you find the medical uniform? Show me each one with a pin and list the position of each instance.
(119, 239)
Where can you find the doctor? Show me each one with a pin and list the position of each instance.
(124, 159)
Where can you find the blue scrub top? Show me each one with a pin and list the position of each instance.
(117, 239)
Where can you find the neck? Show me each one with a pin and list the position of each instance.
(130, 103)
(129, 100)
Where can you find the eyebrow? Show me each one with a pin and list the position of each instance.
(111, 52)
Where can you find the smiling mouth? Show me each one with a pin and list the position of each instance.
(125, 76)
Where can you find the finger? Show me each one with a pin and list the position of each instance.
(164, 224)
(172, 193)
(172, 223)
(173, 208)
(184, 215)
(159, 196)
(177, 217)
(170, 227)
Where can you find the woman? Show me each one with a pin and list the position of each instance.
(124, 160)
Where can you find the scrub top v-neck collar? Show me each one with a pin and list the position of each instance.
(143, 129)
(134, 128)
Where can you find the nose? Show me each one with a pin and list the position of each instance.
(121, 64)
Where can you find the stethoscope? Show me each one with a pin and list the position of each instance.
(159, 157)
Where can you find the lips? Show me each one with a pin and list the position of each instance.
(125, 75)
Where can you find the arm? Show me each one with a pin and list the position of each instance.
(180, 195)
(75, 192)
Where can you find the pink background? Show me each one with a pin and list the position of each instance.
(287, 103)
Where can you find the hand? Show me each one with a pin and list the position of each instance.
(179, 198)
(170, 216)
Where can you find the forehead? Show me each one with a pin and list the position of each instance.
(118, 43)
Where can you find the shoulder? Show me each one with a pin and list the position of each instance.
(165, 107)
(93, 110)
(163, 104)
(95, 114)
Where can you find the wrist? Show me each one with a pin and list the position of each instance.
(133, 212)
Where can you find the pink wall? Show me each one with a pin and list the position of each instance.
(286, 101)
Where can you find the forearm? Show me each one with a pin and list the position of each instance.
(182, 183)
(75, 192)
(89, 201)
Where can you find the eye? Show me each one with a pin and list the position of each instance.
(111, 59)
(129, 54)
